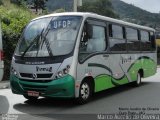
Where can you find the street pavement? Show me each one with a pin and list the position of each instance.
(117, 100)
(4, 84)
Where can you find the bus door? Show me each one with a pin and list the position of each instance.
(93, 58)
(118, 57)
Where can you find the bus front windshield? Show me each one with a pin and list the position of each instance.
(52, 36)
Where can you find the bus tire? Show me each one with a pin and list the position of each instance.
(30, 98)
(85, 92)
(138, 81)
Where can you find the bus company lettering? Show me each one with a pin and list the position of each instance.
(61, 24)
(126, 60)
(48, 69)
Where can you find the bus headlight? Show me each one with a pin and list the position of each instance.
(63, 72)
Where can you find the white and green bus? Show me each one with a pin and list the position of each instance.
(73, 55)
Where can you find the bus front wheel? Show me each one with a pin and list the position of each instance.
(84, 93)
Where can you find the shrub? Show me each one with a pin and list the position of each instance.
(13, 18)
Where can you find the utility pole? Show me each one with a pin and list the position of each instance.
(76, 3)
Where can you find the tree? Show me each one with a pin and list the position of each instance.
(13, 19)
(101, 7)
(39, 4)
(19, 2)
(1, 3)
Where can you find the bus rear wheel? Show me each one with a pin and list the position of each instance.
(138, 81)
(85, 93)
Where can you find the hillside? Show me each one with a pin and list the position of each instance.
(131, 13)
(126, 12)
(53, 5)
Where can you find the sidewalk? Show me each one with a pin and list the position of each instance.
(4, 84)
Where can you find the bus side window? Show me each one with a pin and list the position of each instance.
(145, 41)
(153, 42)
(116, 38)
(96, 42)
(93, 40)
(133, 42)
(110, 30)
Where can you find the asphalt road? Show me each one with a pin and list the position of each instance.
(117, 100)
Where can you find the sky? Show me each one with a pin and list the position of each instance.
(149, 5)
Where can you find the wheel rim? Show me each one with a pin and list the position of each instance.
(138, 79)
(85, 91)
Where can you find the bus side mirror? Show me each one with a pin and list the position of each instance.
(23, 29)
(89, 31)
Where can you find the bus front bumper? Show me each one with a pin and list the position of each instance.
(61, 88)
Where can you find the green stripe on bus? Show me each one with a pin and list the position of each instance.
(105, 81)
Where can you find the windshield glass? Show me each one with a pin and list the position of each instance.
(53, 36)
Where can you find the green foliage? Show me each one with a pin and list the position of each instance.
(101, 7)
(13, 18)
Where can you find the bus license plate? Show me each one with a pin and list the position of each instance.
(33, 93)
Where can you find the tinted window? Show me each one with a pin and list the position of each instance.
(153, 42)
(133, 44)
(117, 43)
(131, 34)
(145, 41)
(96, 42)
(117, 31)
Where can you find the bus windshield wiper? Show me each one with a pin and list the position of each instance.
(45, 40)
(32, 43)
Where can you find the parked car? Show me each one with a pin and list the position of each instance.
(1, 55)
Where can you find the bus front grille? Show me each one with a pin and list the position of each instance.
(29, 75)
(36, 81)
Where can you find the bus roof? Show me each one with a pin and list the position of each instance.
(93, 15)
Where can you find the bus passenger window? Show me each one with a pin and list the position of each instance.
(145, 41)
(117, 41)
(97, 41)
(92, 42)
(153, 42)
(133, 44)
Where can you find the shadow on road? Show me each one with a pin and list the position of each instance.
(44, 106)
(117, 90)
(66, 109)
(51, 106)
(4, 105)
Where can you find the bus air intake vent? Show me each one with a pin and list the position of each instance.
(36, 81)
(29, 75)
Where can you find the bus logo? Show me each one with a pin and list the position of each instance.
(34, 76)
(47, 69)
